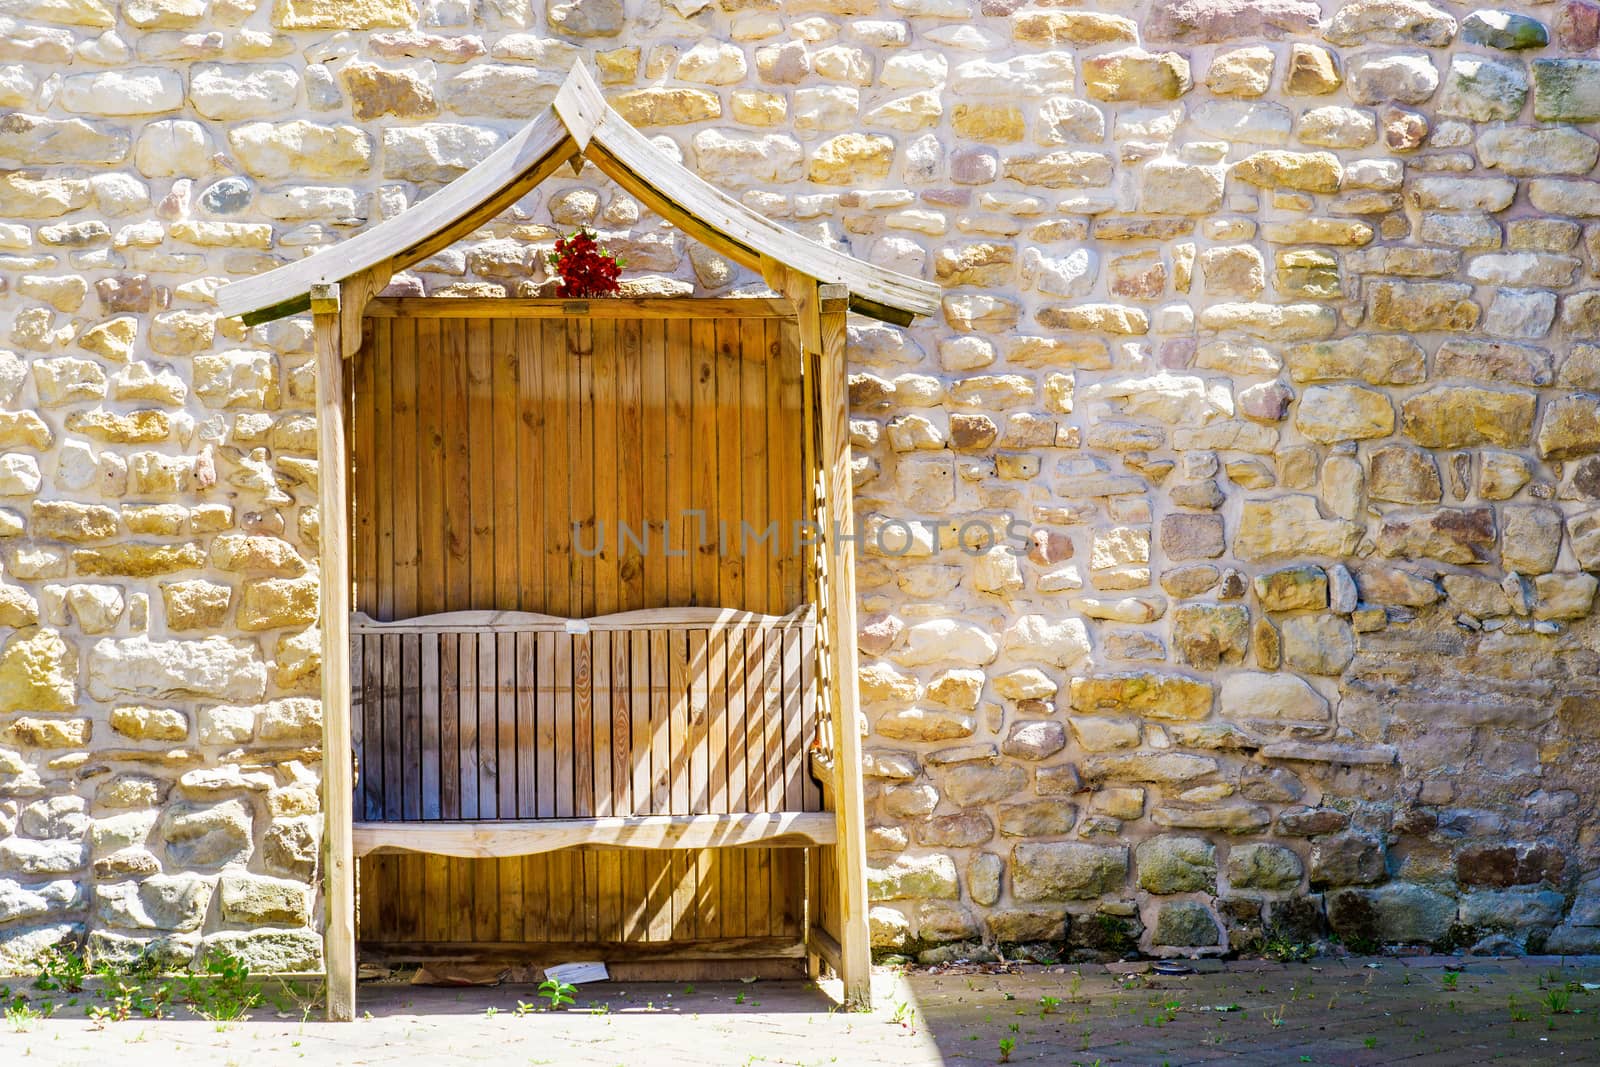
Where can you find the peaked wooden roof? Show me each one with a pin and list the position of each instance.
(579, 125)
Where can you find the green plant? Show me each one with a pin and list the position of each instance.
(1006, 1045)
(1370, 1042)
(61, 971)
(1450, 979)
(903, 1013)
(1048, 1005)
(21, 1017)
(557, 993)
(1517, 1015)
(221, 991)
(522, 1008)
(1557, 1001)
(1285, 951)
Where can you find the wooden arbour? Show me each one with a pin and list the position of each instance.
(817, 287)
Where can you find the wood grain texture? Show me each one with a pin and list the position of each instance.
(466, 523)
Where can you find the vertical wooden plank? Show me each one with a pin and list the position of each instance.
(684, 896)
(488, 732)
(428, 711)
(730, 466)
(536, 909)
(561, 900)
(383, 448)
(699, 737)
(393, 768)
(545, 718)
(659, 875)
(704, 470)
(580, 341)
(372, 727)
(503, 458)
(480, 433)
(755, 732)
(850, 853)
(430, 478)
(661, 703)
(600, 728)
(402, 455)
(772, 703)
(526, 733)
(655, 459)
(411, 756)
(717, 723)
(790, 473)
(708, 893)
(640, 708)
(794, 742)
(629, 461)
(680, 457)
(753, 371)
(454, 391)
(622, 716)
(810, 791)
(505, 668)
(555, 442)
(565, 755)
(333, 558)
(486, 899)
(449, 719)
(736, 719)
(582, 726)
(531, 464)
(602, 473)
(467, 725)
(681, 739)
(439, 905)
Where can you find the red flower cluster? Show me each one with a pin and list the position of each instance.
(585, 268)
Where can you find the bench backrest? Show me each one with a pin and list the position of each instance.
(510, 715)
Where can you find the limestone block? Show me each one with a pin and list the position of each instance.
(300, 149)
(38, 671)
(1067, 870)
(1175, 864)
(914, 878)
(215, 667)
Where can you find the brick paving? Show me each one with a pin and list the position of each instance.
(1343, 1012)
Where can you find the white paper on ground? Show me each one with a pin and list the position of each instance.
(577, 973)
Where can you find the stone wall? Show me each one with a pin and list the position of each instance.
(1275, 329)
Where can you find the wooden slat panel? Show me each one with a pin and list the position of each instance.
(476, 444)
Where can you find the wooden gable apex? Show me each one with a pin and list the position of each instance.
(578, 126)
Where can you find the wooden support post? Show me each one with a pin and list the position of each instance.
(822, 310)
(338, 862)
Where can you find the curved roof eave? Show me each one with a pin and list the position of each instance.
(579, 123)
